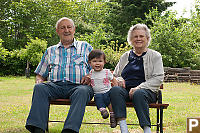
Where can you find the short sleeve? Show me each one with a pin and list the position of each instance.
(43, 67)
(110, 75)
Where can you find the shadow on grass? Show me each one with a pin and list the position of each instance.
(15, 130)
(23, 130)
(55, 131)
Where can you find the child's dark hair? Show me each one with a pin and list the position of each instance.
(96, 54)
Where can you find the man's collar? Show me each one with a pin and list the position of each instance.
(75, 44)
(59, 45)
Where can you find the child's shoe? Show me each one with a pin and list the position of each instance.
(104, 114)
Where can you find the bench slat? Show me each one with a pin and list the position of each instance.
(92, 103)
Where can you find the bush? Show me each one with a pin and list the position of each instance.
(15, 62)
(113, 53)
(175, 39)
(3, 52)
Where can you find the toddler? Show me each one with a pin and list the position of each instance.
(101, 83)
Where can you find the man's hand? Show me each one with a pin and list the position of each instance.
(86, 80)
(39, 79)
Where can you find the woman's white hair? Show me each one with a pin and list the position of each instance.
(139, 27)
(63, 18)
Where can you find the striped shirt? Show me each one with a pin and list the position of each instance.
(65, 64)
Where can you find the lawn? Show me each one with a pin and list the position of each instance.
(15, 102)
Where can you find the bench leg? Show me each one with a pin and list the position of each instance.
(47, 130)
(158, 120)
(161, 119)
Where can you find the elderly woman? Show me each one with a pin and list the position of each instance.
(140, 74)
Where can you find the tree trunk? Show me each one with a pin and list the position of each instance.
(27, 71)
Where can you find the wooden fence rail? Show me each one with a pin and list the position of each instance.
(182, 75)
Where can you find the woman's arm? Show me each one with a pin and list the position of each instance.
(154, 74)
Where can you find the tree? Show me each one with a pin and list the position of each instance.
(32, 53)
(24, 18)
(175, 39)
(125, 13)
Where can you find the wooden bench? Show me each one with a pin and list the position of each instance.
(159, 106)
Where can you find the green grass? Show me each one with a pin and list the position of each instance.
(15, 102)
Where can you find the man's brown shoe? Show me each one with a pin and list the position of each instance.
(113, 122)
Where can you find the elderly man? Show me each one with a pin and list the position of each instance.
(65, 65)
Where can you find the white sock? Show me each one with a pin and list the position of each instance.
(101, 109)
(147, 129)
(123, 126)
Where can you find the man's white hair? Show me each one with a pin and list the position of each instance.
(63, 18)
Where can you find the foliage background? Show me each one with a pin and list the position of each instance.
(28, 27)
